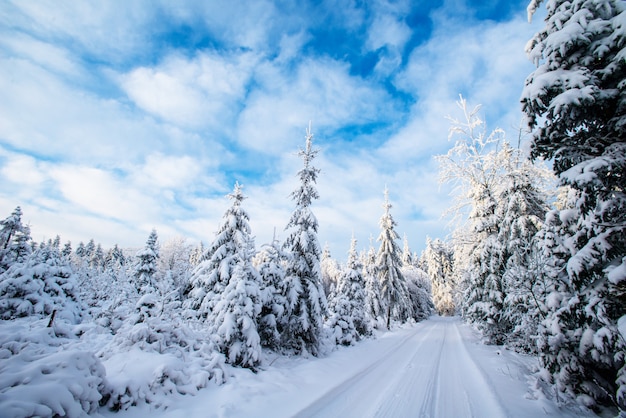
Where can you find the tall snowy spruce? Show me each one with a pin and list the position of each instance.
(374, 303)
(146, 265)
(393, 287)
(15, 241)
(575, 102)
(349, 321)
(226, 288)
(306, 301)
(270, 263)
(521, 209)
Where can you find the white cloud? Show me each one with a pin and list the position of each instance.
(388, 31)
(203, 91)
(89, 159)
(321, 91)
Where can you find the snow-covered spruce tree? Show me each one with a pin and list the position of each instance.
(522, 205)
(575, 102)
(349, 321)
(15, 241)
(270, 263)
(407, 256)
(438, 260)
(306, 301)
(41, 285)
(210, 277)
(374, 303)
(330, 273)
(388, 262)
(232, 288)
(146, 265)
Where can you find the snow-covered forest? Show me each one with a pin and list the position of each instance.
(536, 261)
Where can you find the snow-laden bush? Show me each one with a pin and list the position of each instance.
(40, 376)
(153, 355)
(39, 286)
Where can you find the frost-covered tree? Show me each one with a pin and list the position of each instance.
(438, 260)
(349, 320)
(41, 285)
(306, 301)
(388, 264)
(474, 166)
(114, 259)
(374, 303)
(575, 102)
(227, 288)
(419, 290)
(522, 205)
(146, 265)
(506, 206)
(15, 241)
(66, 252)
(407, 256)
(330, 272)
(270, 263)
(174, 265)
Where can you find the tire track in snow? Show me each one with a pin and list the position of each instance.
(490, 404)
(416, 389)
(429, 374)
(360, 394)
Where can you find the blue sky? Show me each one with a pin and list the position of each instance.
(119, 117)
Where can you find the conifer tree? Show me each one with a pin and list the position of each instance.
(375, 305)
(388, 265)
(330, 273)
(306, 301)
(146, 266)
(41, 284)
(15, 241)
(575, 102)
(271, 267)
(226, 288)
(438, 260)
(349, 321)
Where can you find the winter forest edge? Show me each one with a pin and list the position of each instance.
(536, 267)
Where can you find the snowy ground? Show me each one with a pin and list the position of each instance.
(437, 368)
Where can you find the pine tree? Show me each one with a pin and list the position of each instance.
(388, 262)
(349, 320)
(233, 319)
(375, 305)
(330, 273)
(226, 288)
(41, 284)
(522, 205)
(15, 241)
(146, 266)
(407, 256)
(575, 102)
(306, 301)
(438, 260)
(271, 267)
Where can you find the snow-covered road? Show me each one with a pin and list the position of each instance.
(428, 374)
(436, 368)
